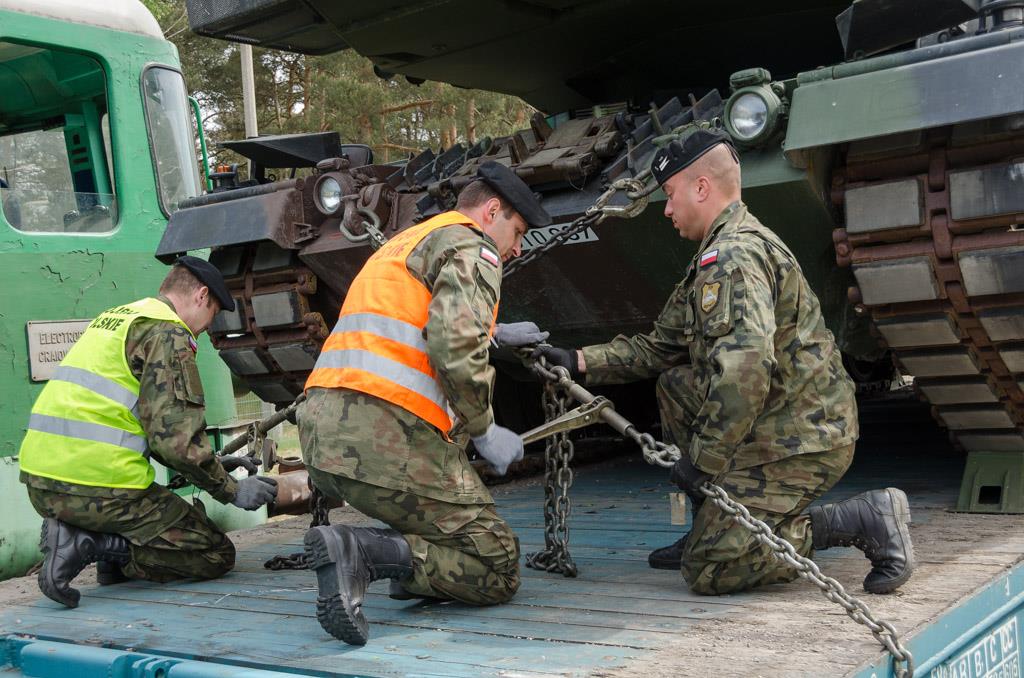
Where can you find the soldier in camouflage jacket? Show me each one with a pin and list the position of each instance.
(446, 540)
(752, 389)
(152, 533)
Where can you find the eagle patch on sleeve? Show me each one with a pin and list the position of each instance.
(489, 256)
(709, 296)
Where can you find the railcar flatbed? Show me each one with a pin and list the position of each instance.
(618, 618)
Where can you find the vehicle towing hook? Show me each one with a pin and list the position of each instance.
(579, 417)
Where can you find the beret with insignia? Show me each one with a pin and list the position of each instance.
(679, 155)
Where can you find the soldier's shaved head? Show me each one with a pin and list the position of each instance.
(720, 166)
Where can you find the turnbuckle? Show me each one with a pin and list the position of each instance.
(579, 417)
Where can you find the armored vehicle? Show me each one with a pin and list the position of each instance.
(894, 175)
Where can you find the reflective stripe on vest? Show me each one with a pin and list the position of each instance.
(83, 430)
(101, 385)
(84, 427)
(377, 346)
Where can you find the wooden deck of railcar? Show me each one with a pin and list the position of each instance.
(617, 618)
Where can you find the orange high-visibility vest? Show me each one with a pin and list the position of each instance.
(377, 346)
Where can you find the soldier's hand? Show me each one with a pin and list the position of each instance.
(254, 492)
(689, 478)
(559, 357)
(500, 447)
(248, 463)
(513, 335)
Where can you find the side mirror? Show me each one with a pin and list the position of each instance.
(358, 154)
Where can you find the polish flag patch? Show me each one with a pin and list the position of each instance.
(193, 345)
(489, 256)
(708, 258)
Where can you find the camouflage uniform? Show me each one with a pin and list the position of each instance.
(395, 467)
(765, 405)
(169, 537)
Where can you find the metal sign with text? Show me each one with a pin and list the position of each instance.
(48, 343)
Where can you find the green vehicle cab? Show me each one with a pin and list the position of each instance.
(97, 148)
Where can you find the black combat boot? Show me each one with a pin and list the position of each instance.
(109, 573)
(346, 559)
(876, 523)
(671, 557)
(668, 557)
(66, 552)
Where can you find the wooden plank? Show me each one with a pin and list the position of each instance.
(536, 586)
(526, 605)
(253, 639)
(568, 625)
(416, 654)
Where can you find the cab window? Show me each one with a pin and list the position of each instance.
(171, 138)
(55, 165)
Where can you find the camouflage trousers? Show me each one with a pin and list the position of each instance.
(169, 537)
(462, 552)
(720, 555)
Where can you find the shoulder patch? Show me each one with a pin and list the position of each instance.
(488, 255)
(192, 344)
(709, 296)
(708, 258)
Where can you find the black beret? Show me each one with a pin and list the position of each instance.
(208, 274)
(679, 155)
(514, 190)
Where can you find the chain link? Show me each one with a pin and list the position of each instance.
(255, 440)
(558, 478)
(320, 510)
(883, 631)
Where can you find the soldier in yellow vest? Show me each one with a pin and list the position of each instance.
(128, 391)
(400, 386)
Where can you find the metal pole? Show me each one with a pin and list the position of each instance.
(248, 92)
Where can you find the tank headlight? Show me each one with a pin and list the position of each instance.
(748, 116)
(328, 195)
(755, 109)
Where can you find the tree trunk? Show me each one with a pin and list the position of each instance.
(471, 121)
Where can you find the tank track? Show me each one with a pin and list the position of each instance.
(939, 262)
(272, 339)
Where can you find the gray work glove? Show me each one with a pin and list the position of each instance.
(254, 492)
(513, 335)
(500, 447)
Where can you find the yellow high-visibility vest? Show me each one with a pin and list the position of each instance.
(83, 428)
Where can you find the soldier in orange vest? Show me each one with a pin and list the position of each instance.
(400, 387)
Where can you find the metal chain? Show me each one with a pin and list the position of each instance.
(556, 528)
(559, 450)
(255, 440)
(319, 507)
(595, 214)
(558, 477)
(320, 510)
(655, 452)
(883, 631)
